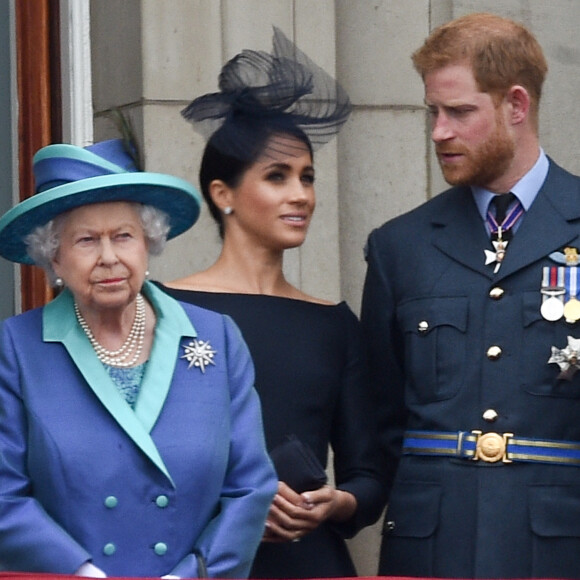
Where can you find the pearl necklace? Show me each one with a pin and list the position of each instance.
(133, 343)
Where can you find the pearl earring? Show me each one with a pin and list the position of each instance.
(228, 210)
(146, 274)
(59, 282)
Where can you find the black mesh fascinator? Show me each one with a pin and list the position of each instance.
(269, 93)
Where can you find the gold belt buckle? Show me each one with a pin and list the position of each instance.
(491, 447)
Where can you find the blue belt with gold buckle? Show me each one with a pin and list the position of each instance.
(491, 447)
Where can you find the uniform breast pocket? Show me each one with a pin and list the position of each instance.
(435, 346)
(539, 336)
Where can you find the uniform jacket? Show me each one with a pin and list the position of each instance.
(431, 310)
(84, 477)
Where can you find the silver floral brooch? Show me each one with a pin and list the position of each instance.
(199, 353)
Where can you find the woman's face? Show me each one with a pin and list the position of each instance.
(102, 256)
(274, 201)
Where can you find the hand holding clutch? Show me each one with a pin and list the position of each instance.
(297, 465)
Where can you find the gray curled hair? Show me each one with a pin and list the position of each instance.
(44, 241)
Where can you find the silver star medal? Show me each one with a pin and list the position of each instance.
(497, 256)
(199, 353)
(567, 358)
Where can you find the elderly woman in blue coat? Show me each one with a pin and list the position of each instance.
(130, 432)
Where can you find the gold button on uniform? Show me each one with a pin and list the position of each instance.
(490, 415)
(496, 293)
(494, 352)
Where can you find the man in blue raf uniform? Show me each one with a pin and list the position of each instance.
(470, 306)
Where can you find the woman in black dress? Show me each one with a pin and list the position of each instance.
(257, 177)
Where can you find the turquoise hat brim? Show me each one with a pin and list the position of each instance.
(175, 196)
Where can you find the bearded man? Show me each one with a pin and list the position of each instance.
(471, 313)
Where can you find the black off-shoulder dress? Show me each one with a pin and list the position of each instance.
(312, 380)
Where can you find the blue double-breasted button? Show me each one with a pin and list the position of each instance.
(111, 501)
(160, 548)
(109, 549)
(162, 501)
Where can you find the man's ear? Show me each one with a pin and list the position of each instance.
(519, 101)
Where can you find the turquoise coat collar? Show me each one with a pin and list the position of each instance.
(60, 325)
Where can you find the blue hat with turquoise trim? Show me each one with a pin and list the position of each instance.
(68, 177)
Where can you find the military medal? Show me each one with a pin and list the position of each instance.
(499, 254)
(572, 306)
(553, 291)
(552, 309)
(572, 310)
(500, 229)
(567, 358)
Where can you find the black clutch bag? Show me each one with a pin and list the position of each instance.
(297, 466)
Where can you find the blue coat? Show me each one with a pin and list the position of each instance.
(84, 477)
(431, 311)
